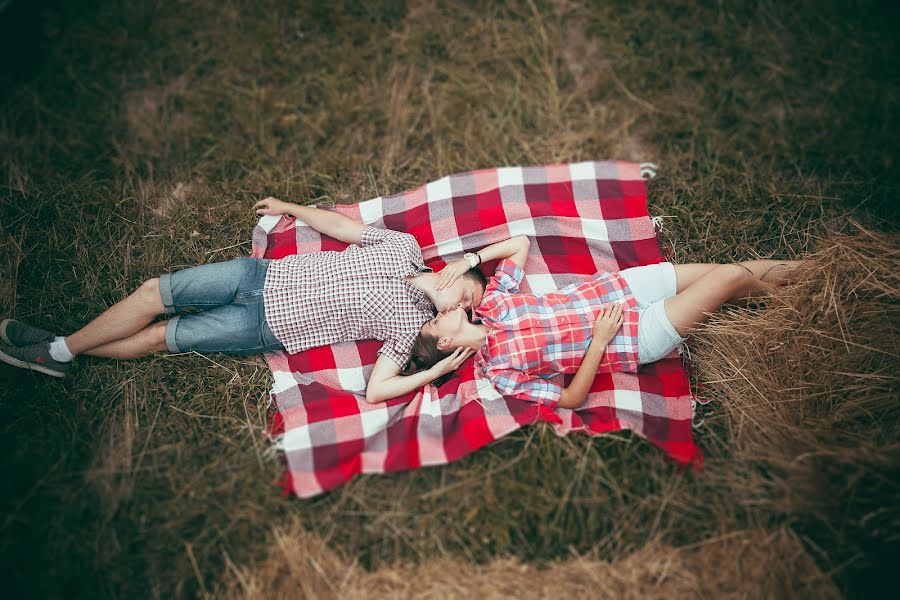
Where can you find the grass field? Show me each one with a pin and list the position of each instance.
(136, 136)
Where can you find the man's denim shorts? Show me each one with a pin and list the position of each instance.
(229, 298)
(651, 285)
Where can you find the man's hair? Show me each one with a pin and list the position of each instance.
(477, 276)
(424, 355)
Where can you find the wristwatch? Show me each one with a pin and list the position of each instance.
(473, 257)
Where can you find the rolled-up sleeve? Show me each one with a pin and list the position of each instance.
(507, 278)
(523, 386)
(378, 235)
(398, 349)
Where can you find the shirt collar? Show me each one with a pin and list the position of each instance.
(419, 299)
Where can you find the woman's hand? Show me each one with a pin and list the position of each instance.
(272, 206)
(450, 273)
(608, 322)
(452, 362)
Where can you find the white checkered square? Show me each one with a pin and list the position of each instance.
(297, 438)
(583, 170)
(352, 380)
(439, 190)
(627, 400)
(371, 211)
(446, 248)
(510, 176)
(595, 229)
(374, 420)
(522, 227)
(283, 381)
(268, 222)
(540, 284)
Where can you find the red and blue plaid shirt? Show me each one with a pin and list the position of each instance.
(535, 340)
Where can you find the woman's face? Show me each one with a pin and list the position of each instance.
(447, 324)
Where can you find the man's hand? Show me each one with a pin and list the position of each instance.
(452, 362)
(608, 322)
(450, 273)
(272, 206)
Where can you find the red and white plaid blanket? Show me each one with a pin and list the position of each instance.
(581, 218)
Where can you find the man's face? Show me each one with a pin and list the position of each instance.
(464, 292)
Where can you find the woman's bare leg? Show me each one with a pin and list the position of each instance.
(769, 271)
(707, 294)
(776, 272)
(121, 320)
(149, 340)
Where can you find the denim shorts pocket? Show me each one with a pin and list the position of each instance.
(248, 297)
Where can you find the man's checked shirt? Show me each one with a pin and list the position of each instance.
(534, 340)
(359, 293)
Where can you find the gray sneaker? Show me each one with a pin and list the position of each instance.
(35, 357)
(17, 333)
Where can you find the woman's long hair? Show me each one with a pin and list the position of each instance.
(424, 355)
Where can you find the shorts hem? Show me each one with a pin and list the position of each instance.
(165, 291)
(171, 325)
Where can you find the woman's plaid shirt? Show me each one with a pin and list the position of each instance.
(534, 340)
(356, 294)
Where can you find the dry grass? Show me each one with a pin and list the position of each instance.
(808, 390)
(743, 564)
(139, 147)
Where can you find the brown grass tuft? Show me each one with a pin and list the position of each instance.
(743, 564)
(808, 391)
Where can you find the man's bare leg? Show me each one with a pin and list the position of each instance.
(149, 340)
(121, 320)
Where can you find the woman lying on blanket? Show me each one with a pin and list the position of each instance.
(613, 322)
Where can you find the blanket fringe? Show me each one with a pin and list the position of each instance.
(697, 398)
(286, 483)
(276, 446)
(276, 424)
(666, 250)
(648, 170)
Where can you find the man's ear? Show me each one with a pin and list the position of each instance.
(443, 343)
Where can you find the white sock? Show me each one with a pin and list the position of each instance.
(59, 351)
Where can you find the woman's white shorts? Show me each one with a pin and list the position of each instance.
(651, 285)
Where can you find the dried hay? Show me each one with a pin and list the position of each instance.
(744, 564)
(808, 388)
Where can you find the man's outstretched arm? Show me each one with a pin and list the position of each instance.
(327, 222)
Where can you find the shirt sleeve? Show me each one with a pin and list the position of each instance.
(377, 235)
(398, 350)
(397, 243)
(507, 278)
(523, 386)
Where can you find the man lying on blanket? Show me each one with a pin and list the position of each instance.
(376, 288)
(525, 343)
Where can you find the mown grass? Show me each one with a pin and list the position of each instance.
(139, 144)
